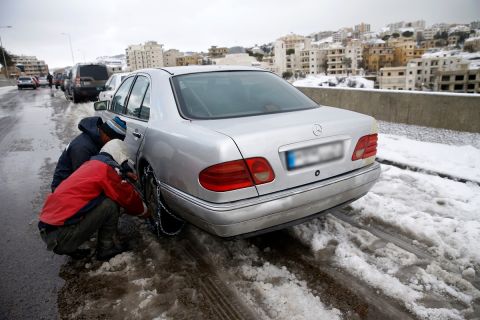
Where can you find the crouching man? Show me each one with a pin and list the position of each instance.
(88, 201)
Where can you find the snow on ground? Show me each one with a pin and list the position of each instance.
(334, 81)
(459, 161)
(438, 214)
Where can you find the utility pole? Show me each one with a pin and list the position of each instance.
(70, 42)
(3, 52)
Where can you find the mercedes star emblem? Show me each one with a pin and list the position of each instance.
(317, 129)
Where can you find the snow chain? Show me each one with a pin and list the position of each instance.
(158, 214)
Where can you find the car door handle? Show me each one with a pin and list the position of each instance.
(137, 134)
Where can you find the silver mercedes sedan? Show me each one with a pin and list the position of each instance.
(238, 150)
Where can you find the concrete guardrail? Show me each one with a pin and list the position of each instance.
(431, 109)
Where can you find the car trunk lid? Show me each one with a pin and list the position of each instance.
(302, 147)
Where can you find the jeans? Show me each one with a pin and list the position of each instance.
(103, 218)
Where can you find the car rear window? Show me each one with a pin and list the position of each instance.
(215, 95)
(94, 71)
(24, 78)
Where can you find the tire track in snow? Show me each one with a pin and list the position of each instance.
(354, 298)
(427, 171)
(397, 240)
(223, 300)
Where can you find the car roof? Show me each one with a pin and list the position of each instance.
(207, 68)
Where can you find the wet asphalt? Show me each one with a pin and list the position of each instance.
(30, 143)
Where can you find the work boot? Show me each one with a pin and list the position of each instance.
(107, 254)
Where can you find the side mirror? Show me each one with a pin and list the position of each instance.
(100, 105)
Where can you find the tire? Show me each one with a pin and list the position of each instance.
(163, 222)
(75, 98)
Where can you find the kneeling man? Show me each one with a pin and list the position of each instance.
(89, 201)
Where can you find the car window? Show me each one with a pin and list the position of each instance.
(145, 110)
(136, 97)
(216, 95)
(96, 72)
(118, 101)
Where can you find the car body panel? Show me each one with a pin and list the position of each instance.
(264, 212)
(178, 149)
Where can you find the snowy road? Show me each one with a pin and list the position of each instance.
(410, 249)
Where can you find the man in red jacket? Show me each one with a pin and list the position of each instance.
(88, 201)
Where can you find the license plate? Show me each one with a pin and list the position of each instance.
(86, 83)
(314, 155)
(99, 88)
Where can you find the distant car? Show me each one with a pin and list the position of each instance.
(65, 80)
(86, 81)
(26, 82)
(57, 79)
(238, 150)
(43, 81)
(111, 86)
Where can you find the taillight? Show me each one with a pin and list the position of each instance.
(260, 170)
(236, 174)
(366, 147)
(77, 81)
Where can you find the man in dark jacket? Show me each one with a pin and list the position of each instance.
(88, 201)
(95, 134)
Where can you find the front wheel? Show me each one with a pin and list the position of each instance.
(163, 221)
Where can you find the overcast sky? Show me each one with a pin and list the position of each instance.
(104, 27)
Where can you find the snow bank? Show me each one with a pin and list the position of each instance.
(334, 81)
(458, 161)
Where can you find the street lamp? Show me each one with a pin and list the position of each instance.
(3, 52)
(70, 42)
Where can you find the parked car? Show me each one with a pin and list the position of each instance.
(26, 82)
(64, 80)
(111, 85)
(238, 150)
(86, 81)
(57, 80)
(43, 82)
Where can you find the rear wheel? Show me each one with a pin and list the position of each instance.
(163, 221)
(75, 98)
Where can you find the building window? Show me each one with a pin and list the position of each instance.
(410, 72)
(470, 86)
(400, 73)
(445, 78)
(458, 87)
(388, 73)
(419, 64)
(471, 77)
(444, 87)
(459, 78)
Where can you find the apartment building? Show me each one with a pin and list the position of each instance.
(395, 78)
(472, 44)
(337, 63)
(189, 59)
(426, 68)
(148, 55)
(29, 65)
(464, 79)
(429, 33)
(280, 57)
(170, 57)
(291, 40)
(354, 55)
(376, 55)
(362, 28)
(342, 34)
(405, 51)
(217, 52)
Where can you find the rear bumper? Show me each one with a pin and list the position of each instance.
(26, 85)
(88, 92)
(268, 211)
